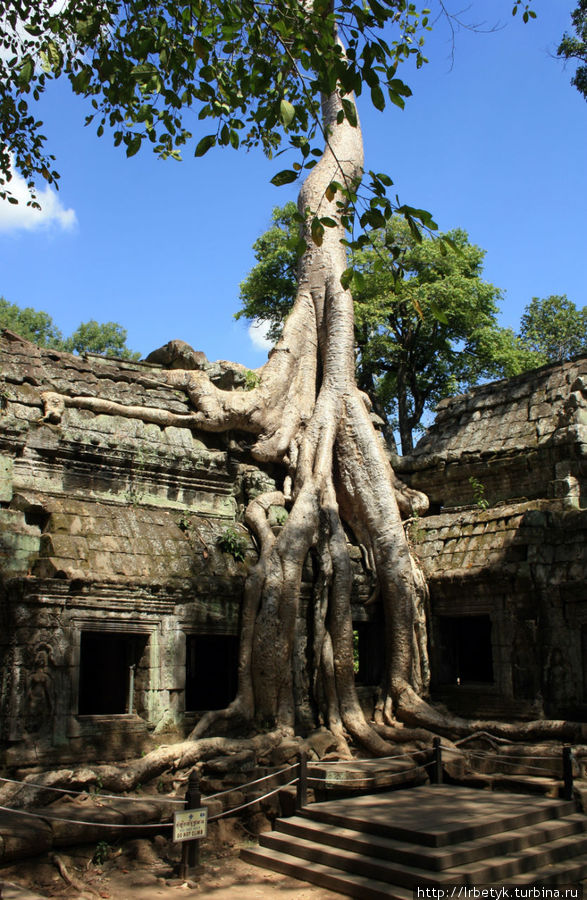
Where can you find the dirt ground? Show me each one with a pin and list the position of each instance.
(146, 869)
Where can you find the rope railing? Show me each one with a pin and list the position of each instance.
(488, 753)
(91, 793)
(48, 816)
(357, 762)
(566, 760)
(366, 779)
(242, 787)
(53, 818)
(141, 798)
(229, 812)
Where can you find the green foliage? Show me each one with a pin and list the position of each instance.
(554, 329)
(269, 290)
(107, 339)
(240, 74)
(251, 380)
(233, 543)
(478, 493)
(247, 74)
(575, 47)
(426, 322)
(280, 515)
(355, 651)
(415, 532)
(101, 853)
(31, 324)
(38, 327)
(184, 523)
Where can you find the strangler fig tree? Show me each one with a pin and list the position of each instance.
(190, 75)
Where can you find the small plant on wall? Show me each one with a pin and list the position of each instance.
(478, 493)
(234, 543)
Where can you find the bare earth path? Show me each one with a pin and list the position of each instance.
(138, 873)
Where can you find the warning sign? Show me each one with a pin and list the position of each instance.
(190, 824)
(335, 776)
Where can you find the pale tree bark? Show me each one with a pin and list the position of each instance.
(316, 422)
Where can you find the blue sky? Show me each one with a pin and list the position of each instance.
(494, 142)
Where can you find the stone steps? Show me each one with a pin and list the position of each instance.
(388, 844)
(435, 859)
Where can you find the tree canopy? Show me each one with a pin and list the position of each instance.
(554, 328)
(108, 338)
(574, 47)
(420, 337)
(154, 70)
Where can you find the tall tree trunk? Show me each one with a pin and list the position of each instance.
(337, 467)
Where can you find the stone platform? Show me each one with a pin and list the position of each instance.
(388, 844)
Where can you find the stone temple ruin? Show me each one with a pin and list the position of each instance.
(121, 591)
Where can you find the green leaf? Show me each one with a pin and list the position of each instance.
(438, 313)
(133, 145)
(287, 111)
(358, 281)
(54, 54)
(346, 278)
(350, 112)
(286, 176)
(81, 81)
(204, 145)
(143, 70)
(317, 229)
(201, 48)
(27, 67)
(330, 192)
(377, 97)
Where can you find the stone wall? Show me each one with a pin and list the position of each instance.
(515, 572)
(115, 588)
(521, 438)
(110, 545)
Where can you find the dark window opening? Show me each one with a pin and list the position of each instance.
(434, 509)
(464, 652)
(36, 515)
(108, 672)
(211, 671)
(369, 651)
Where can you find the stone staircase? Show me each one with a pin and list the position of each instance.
(386, 845)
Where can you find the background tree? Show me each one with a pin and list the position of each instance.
(108, 338)
(268, 292)
(33, 324)
(554, 329)
(575, 48)
(426, 335)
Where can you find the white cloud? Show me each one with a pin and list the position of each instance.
(21, 216)
(258, 334)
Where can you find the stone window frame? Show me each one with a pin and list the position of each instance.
(111, 626)
(480, 606)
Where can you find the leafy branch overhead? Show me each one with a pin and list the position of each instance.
(174, 74)
(181, 75)
(574, 47)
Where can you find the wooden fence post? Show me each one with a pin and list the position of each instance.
(302, 787)
(568, 773)
(190, 858)
(436, 773)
